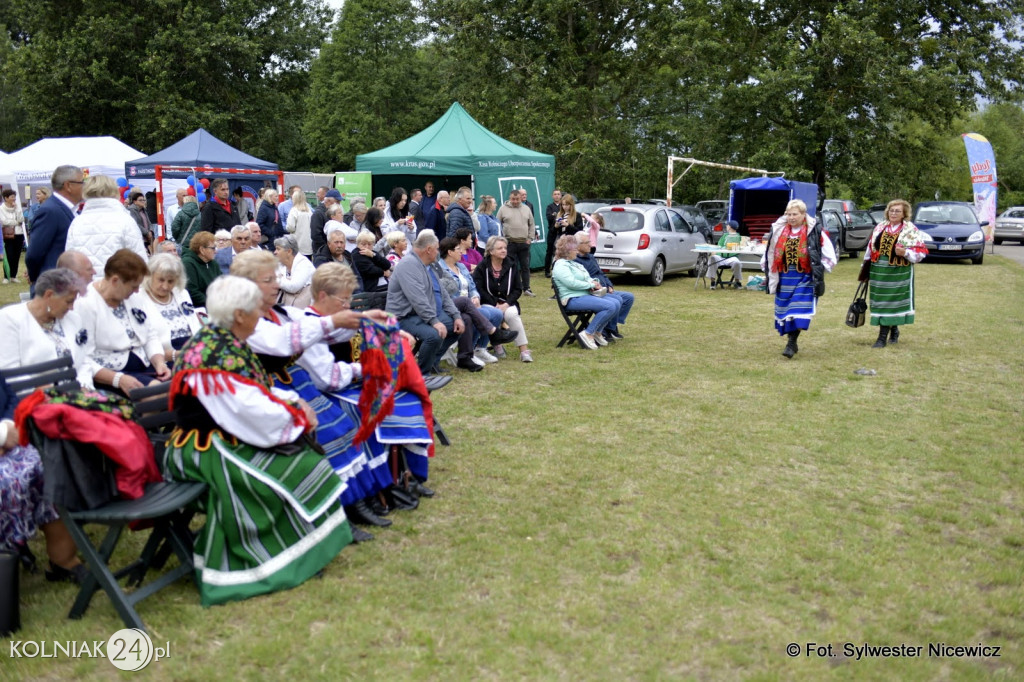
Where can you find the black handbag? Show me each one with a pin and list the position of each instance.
(859, 308)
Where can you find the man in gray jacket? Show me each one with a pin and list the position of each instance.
(518, 227)
(421, 304)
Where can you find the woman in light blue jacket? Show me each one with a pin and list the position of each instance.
(578, 292)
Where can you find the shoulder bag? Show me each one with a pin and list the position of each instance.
(858, 309)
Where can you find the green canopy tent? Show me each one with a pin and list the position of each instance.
(456, 150)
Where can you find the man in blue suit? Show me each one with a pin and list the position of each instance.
(50, 224)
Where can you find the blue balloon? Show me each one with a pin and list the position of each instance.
(122, 182)
(191, 180)
(201, 197)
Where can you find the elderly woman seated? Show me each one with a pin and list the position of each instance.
(579, 292)
(293, 348)
(45, 327)
(119, 336)
(168, 304)
(200, 267)
(295, 272)
(373, 269)
(22, 507)
(273, 516)
(482, 322)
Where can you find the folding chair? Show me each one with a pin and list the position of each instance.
(168, 505)
(25, 379)
(577, 322)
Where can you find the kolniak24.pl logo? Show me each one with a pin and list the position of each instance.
(128, 649)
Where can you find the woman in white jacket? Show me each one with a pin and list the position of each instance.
(298, 223)
(104, 226)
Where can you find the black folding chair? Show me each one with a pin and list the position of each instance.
(169, 506)
(575, 321)
(59, 372)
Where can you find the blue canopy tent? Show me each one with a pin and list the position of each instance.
(199, 155)
(755, 202)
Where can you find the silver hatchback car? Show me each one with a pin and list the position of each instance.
(1010, 226)
(647, 240)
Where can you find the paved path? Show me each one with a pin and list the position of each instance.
(1013, 251)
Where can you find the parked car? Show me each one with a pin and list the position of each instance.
(952, 230)
(695, 218)
(843, 206)
(1010, 225)
(857, 227)
(647, 240)
(877, 212)
(714, 210)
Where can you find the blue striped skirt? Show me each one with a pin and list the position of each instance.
(795, 303)
(405, 426)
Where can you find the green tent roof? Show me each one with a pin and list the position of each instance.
(456, 145)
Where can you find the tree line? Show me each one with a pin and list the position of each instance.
(868, 99)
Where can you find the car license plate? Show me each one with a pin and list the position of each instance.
(607, 261)
(950, 247)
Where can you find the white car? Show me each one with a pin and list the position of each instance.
(1010, 225)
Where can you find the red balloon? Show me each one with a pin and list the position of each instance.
(191, 191)
(206, 183)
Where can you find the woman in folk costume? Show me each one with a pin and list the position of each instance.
(795, 261)
(895, 245)
(391, 411)
(288, 344)
(273, 516)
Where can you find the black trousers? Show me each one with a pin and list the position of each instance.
(12, 248)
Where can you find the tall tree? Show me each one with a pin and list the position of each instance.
(807, 85)
(150, 73)
(371, 86)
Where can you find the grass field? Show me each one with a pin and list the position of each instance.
(681, 505)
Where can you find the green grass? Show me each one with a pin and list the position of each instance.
(681, 505)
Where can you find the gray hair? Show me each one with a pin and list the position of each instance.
(64, 173)
(61, 281)
(237, 230)
(425, 239)
(229, 293)
(335, 208)
(217, 183)
(167, 264)
(463, 193)
(287, 242)
(222, 234)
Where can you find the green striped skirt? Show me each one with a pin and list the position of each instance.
(892, 293)
(273, 521)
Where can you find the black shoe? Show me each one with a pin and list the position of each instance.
(883, 334)
(737, 285)
(529, 292)
(27, 559)
(613, 335)
(360, 512)
(468, 365)
(419, 489)
(359, 535)
(791, 348)
(894, 334)
(501, 336)
(76, 574)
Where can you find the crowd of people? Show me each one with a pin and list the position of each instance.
(304, 416)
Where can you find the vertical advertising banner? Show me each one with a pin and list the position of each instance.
(982, 162)
(354, 184)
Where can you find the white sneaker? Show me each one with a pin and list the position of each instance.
(600, 340)
(477, 361)
(482, 354)
(450, 357)
(588, 340)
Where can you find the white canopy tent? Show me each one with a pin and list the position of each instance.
(35, 163)
(8, 178)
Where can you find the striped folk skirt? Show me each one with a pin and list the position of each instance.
(272, 521)
(795, 303)
(891, 293)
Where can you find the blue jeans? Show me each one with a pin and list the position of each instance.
(432, 346)
(606, 309)
(625, 305)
